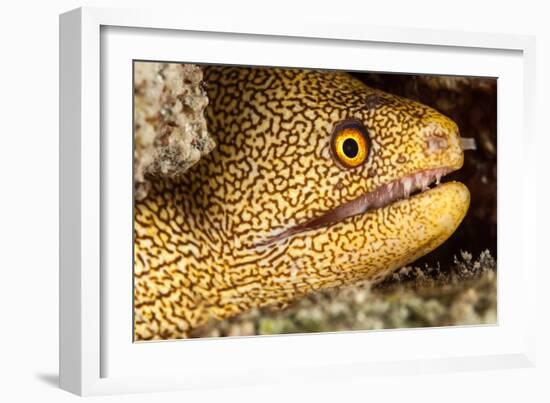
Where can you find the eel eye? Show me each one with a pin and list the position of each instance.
(350, 143)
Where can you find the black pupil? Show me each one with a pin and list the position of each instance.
(350, 148)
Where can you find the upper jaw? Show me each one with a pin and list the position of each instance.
(404, 187)
(382, 196)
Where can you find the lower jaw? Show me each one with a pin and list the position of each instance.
(428, 220)
(371, 245)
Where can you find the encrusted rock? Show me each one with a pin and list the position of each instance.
(170, 128)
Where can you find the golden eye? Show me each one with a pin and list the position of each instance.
(349, 143)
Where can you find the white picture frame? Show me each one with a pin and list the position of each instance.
(96, 354)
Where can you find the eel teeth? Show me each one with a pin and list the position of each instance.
(407, 185)
(425, 182)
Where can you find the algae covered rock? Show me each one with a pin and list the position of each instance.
(170, 128)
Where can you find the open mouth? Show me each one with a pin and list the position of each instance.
(382, 196)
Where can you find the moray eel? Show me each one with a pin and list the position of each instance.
(317, 181)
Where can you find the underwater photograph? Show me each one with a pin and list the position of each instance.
(274, 200)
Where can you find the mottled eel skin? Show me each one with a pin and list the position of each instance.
(307, 188)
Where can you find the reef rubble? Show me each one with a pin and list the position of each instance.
(171, 134)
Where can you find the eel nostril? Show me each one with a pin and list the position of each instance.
(436, 143)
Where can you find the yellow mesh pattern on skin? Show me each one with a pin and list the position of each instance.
(196, 253)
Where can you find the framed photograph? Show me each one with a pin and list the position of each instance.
(244, 203)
